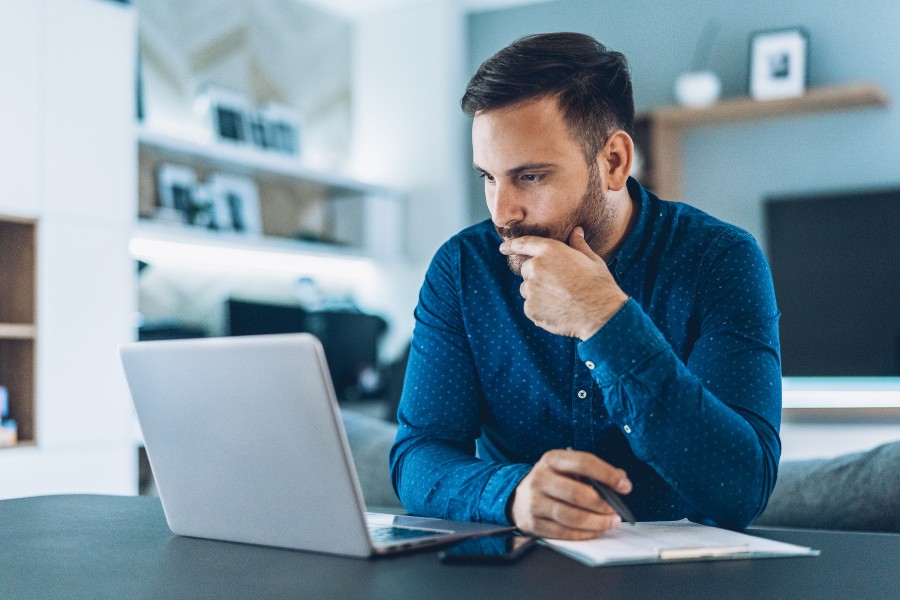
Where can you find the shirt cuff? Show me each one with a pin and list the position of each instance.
(499, 488)
(625, 341)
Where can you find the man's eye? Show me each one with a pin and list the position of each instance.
(532, 177)
(486, 176)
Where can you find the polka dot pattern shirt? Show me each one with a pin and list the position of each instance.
(681, 388)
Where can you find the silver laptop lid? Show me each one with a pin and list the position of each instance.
(245, 441)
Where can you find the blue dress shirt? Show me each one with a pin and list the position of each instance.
(681, 388)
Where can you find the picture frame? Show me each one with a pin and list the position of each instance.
(279, 126)
(176, 188)
(234, 119)
(230, 114)
(235, 204)
(779, 63)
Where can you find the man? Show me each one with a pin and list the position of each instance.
(589, 330)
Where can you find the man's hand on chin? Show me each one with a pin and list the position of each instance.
(568, 289)
(554, 501)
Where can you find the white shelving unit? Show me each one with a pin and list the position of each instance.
(302, 211)
(66, 213)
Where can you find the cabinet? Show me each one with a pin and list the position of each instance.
(658, 132)
(17, 321)
(67, 206)
(299, 210)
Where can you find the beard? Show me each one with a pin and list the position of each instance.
(594, 213)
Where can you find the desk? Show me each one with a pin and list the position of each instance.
(120, 547)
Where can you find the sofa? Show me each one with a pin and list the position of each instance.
(857, 492)
(370, 440)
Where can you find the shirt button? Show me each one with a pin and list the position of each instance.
(582, 394)
(627, 429)
(589, 364)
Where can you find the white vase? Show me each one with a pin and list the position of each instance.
(698, 88)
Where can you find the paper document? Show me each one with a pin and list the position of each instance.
(672, 540)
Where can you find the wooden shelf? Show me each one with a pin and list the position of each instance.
(663, 127)
(17, 331)
(17, 320)
(746, 109)
(17, 260)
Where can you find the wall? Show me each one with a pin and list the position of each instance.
(730, 169)
(408, 130)
(279, 51)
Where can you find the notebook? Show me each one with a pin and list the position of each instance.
(246, 444)
(666, 541)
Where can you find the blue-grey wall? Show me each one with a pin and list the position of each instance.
(730, 169)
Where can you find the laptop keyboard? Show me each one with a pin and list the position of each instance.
(387, 535)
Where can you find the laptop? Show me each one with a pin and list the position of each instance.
(246, 443)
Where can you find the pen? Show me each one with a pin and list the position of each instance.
(612, 498)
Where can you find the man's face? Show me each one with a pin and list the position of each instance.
(536, 180)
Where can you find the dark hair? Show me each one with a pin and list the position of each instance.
(591, 84)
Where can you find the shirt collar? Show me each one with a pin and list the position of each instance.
(627, 254)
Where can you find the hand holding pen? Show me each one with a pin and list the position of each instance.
(557, 499)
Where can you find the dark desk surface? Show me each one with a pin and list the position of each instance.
(120, 547)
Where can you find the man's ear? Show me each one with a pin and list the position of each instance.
(615, 159)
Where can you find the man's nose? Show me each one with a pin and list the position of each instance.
(505, 205)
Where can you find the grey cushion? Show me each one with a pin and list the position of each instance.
(370, 441)
(858, 492)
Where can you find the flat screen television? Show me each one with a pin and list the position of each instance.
(349, 339)
(835, 260)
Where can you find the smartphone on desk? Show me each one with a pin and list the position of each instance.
(498, 548)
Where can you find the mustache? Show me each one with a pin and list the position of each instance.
(516, 230)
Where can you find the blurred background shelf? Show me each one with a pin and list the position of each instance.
(658, 132)
(302, 209)
(17, 331)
